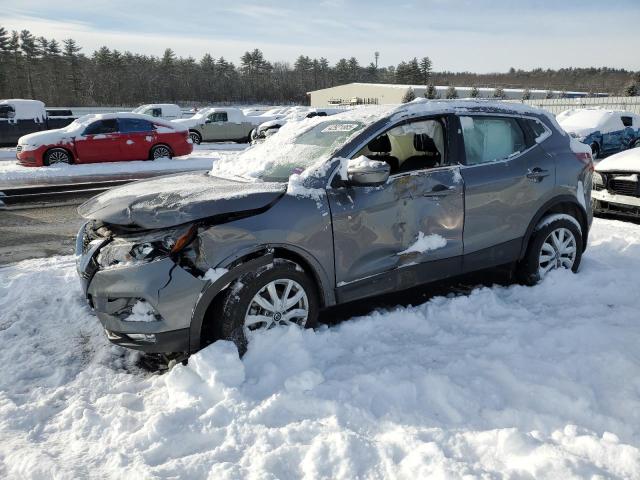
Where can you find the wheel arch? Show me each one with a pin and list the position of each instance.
(248, 262)
(159, 144)
(561, 204)
(58, 147)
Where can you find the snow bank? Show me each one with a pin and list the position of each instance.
(506, 382)
(202, 158)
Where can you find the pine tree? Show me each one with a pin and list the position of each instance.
(30, 51)
(431, 92)
(498, 92)
(526, 95)
(549, 94)
(451, 93)
(632, 90)
(409, 96)
(425, 69)
(71, 51)
(475, 93)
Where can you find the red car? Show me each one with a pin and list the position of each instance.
(105, 138)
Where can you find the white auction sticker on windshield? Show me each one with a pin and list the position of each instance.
(340, 127)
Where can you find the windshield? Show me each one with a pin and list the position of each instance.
(293, 149)
(140, 109)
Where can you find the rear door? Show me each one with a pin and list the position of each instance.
(99, 142)
(137, 136)
(507, 176)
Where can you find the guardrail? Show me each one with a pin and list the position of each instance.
(557, 105)
(40, 195)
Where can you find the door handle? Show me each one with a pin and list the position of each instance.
(537, 174)
(438, 191)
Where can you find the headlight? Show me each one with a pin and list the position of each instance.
(145, 248)
(597, 179)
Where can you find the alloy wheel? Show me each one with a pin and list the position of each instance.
(195, 138)
(280, 302)
(58, 156)
(557, 251)
(161, 151)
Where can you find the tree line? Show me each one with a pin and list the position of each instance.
(61, 74)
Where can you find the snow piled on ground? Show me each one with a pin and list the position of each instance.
(517, 382)
(202, 158)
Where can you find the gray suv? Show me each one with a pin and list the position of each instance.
(331, 210)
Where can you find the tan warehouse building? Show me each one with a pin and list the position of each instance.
(385, 94)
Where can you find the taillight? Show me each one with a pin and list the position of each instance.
(586, 158)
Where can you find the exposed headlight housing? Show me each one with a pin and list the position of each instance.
(130, 250)
(598, 179)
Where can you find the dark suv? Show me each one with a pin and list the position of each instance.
(330, 210)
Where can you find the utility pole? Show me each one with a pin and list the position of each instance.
(376, 55)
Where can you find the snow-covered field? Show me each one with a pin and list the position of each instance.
(201, 159)
(507, 382)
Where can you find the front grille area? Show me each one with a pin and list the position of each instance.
(623, 187)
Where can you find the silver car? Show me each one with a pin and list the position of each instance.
(331, 210)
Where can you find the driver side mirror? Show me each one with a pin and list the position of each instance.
(364, 172)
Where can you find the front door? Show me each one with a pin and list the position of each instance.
(99, 142)
(218, 128)
(409, 230)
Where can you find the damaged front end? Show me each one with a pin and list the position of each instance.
(125, 269)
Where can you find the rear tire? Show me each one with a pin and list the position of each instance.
(248, 304)
(160, 151)
(636, 143)
(195, 137)
(556, 245)
(57, 156)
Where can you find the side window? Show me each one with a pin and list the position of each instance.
(218, 117)
(491, 139)
(627, 121)
(412, 146)
(7, 111)
(156, 112)
(132, 125)
(101, 127)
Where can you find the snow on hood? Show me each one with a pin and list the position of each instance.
(279, 149)
(26, 109)
(76, 128)
(176, 199)
(626, 161)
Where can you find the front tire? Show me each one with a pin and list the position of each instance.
(557, 244)
(57, 156)
(278, 294)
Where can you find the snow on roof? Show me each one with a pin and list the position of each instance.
(26, 109)
(585, 120)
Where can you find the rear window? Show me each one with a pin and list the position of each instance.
(132, 125)
(7, 111)
(627, 121)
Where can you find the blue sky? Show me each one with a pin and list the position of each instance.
(475, 35)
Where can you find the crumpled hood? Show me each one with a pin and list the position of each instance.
(176, 199)
(626, 161)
